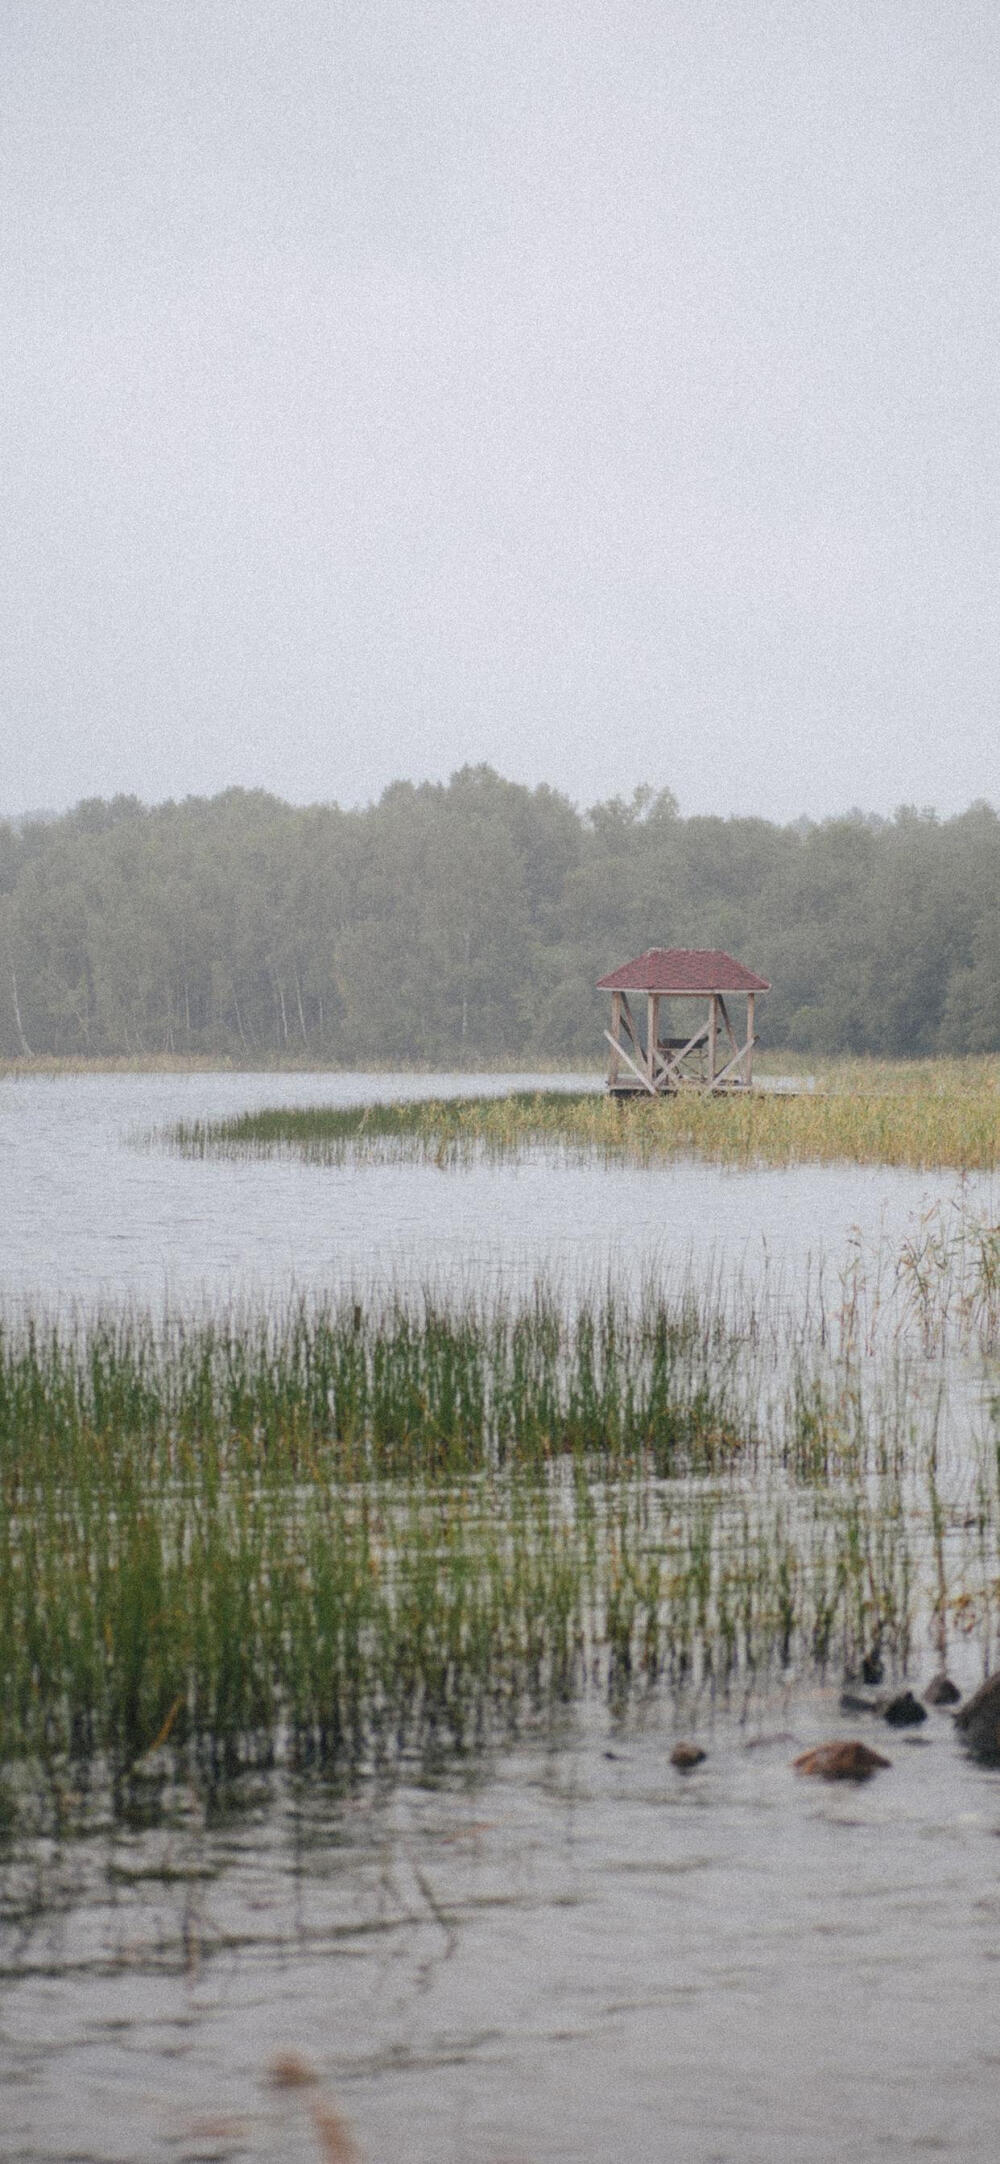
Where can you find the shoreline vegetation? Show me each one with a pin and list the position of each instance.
(943, 1114)
(277, 1064)
(854, 1073)
(925, 1114)
(377, 1532)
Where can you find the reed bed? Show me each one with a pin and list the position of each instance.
(935, 1126)
(199, 1635)
(357, 1534)
(865, 1076)
(355, 1388)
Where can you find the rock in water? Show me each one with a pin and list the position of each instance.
(941, 1691)
(841, 1762)
(978, 1723)
(904, 1711)
(686, 1755)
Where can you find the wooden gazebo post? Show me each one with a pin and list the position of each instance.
(616, 1030)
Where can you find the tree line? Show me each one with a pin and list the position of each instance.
(468, 922)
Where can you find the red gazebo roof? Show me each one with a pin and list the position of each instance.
(683, 969)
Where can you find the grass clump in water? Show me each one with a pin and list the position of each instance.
(949, 1120)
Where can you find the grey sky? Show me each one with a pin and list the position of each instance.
(605, 389)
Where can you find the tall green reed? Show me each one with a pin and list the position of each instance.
(369, 1528)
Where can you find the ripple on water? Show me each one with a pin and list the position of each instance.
(549, 1960)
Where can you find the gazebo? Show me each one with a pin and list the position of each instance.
(658, 1066)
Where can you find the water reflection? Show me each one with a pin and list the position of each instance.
(575, 1954)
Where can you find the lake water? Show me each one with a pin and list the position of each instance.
(85, 1215)
(570, 1951)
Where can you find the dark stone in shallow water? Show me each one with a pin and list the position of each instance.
(978, 1722)
(840, 1762)
(904, 1711)
(686, 1755)
(941, 1691)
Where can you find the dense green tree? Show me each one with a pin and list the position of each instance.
(468, 922)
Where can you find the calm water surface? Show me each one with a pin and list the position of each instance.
(579, 1956)
(86, 1215)
(574, 1953)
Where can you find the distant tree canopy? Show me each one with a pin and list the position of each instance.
(470, 921)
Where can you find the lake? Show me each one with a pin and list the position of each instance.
(88, 1216)
(566, 1950)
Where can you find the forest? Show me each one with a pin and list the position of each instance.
(467, 922)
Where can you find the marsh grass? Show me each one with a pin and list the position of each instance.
(357, 1534)
(20, 1066)
(27, 1069)
(865, 1076)
(377, 1385)
(944, 1118)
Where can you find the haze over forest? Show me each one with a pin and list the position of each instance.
(468, 922)
(592, 391)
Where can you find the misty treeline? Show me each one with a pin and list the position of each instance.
(469, 922)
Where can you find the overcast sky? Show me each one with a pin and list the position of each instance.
(604, 389)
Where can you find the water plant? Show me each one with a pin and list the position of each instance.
(374, 1386)
(934, 1126)
(360, 1531)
